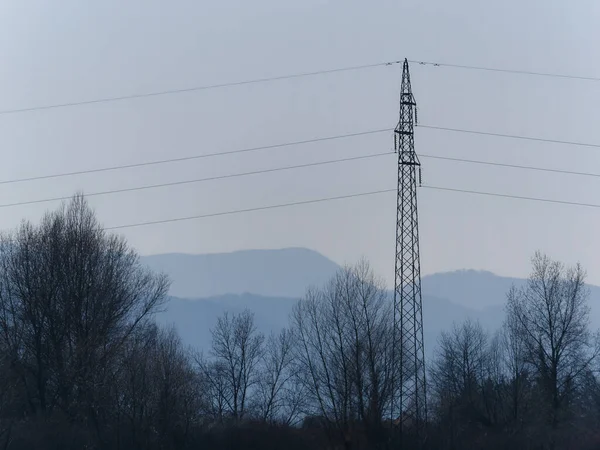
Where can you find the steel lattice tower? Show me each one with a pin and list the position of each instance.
(410, 391)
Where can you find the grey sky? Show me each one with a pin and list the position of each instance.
(54, 52)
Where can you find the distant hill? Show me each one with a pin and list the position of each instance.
(194, 318)
(271, 273)
(476, 289)
(269, 282)
(481, 290)
(288, 272)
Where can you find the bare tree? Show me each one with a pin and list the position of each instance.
(177, 388)
(276, 401)
(343, 351)
(70, 296)
(237, 348)
(515, 361)
(134, 388)
(551, 317)
(213, 381)
(493, 391)
(369, 312)
(157, 390)
(459, 368)
(463, 391)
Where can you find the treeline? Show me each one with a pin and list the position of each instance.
(83, 364)
(533, 384)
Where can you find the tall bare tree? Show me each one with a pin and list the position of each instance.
(213, 382)
(277, 403)
(343, 351)
(134, 388)
(551, 316)
(70, 296)
(459, 368)
(237, 348)
(157, 390)
(515, 362)
(493, 392)
(467, 380)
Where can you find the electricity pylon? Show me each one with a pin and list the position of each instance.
(411, 402)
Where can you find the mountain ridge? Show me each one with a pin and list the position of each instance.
(194, 318)
(270, 282)
(287, 272)
(283, 272)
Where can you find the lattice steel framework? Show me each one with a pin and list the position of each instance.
(411, 402)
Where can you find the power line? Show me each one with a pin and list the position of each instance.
(200, 180)
(193, 157)
(298, 166)
(517, 197)
(513, 166)
(197, 88)
(286, 144)
(260, 208)
(511, 71)
(511, 136)
(283, 77)
(289, 144)
(341, 197)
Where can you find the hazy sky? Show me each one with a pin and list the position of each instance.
(63, 51)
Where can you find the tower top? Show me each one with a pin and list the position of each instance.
(404, 132)
(406, 95)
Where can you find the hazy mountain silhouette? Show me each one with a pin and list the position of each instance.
(270, 282)
(476, 289)
(277, 273)
(484, 291)
(288, 272)
(194, 318)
